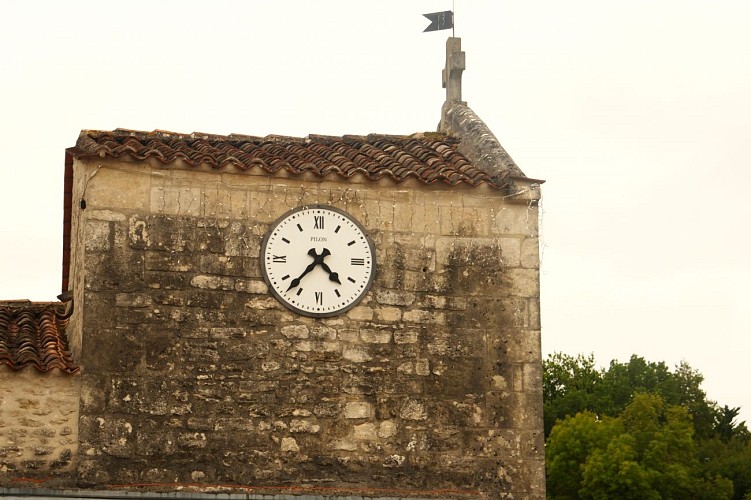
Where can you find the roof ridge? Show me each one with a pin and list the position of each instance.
(478, 143)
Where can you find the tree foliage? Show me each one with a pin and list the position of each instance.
(639, 430)
(648, 452)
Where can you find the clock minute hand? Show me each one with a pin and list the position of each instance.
(311, 266)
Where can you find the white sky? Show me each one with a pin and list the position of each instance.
(636, 113)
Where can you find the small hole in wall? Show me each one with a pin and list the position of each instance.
(83, 204)
(425, 269)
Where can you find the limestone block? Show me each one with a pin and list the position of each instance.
(348, 335)
(97, 236)
(105, 215)
(217, 201)
(413, 409)
(406, 336)
(296, 332)
(395, 297)
(520, 345)
(387, 429)
(263, 303)
(389, 314)
(133, 300)
(530, 253)
(177, 200)
(422, 367)
(168, 261)
(356, 354)
(514, 311)
(475, 221)
(426, 219)
(213, 282)
(424, 317)
(344, 444)
(110, 187)
(357, 410)
(510, 251)
(372, 336)
(251, 286)
(532, 377)
(406, 367)
(289, 445)
(304, 426)
(360, 313)
(242, 240)
(452, 223)
(534, 313)
(523, 282)
(366, 431)
(515, 220)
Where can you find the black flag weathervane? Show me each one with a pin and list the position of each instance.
(440, 20)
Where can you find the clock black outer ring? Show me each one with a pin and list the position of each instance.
(278, 297)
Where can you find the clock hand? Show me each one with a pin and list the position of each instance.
(296, 282)
(332, 275)
(317, 259)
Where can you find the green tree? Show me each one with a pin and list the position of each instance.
(731, 459)
(570, 444)
(648, 452)
(569, 387)
(574, 385)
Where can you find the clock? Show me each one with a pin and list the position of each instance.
(317, 260)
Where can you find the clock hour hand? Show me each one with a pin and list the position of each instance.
(332, 275)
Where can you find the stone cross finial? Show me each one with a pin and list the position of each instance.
(452, 73)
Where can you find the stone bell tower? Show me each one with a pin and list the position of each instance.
(317, 316)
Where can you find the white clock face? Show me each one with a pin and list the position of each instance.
(317, 260)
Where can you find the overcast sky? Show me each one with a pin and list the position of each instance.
(636, 113)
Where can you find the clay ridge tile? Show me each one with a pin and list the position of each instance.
(427, 157)
(33, 334)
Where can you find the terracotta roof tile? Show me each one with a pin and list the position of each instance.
(429, 157)
(34, 334)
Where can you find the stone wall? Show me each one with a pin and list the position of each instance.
(195, 374)
(38, 423)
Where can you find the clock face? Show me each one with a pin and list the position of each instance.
(317, 260)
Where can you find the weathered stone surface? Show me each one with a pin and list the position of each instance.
(98, 236)
(358, 410)
(195, 374)
(38, 422)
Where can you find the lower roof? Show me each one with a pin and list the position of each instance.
(33, 334)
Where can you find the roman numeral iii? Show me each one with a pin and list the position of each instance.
(358, 262)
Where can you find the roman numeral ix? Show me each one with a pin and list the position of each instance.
(279, 258)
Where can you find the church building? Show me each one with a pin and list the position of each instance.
(351, 316)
